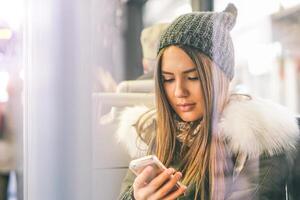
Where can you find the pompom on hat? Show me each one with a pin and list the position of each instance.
(208, 32)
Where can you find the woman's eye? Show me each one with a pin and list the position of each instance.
(193, 78)
(168, 80)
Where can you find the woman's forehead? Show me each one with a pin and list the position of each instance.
(174, 59)
(188, 70)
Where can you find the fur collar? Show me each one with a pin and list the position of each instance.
(258, 126)
(251, 127)
(126, 132)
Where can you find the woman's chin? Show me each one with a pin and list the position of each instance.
(189, 118)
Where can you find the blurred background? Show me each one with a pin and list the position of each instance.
(65, 68)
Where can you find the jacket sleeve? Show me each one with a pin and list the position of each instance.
(273, 177)
(263, 178)
(294, 183)
(126, 187)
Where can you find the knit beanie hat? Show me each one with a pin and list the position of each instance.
(209, 32)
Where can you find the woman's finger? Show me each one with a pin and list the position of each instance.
(167, 187)
(180, 191)
(141, 180)
(163, 177)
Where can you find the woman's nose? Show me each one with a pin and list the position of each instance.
(180, 90)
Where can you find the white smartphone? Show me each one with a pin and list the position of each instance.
(138, 165)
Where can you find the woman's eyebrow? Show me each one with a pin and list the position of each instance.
(184, 72)
(189, 70)
(164, 72)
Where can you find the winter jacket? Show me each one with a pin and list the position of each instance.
(261, 145)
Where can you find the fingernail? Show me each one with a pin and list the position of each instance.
(179, 174)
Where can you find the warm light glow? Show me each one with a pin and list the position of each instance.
(5, 34)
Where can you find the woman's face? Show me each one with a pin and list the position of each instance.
(181, 84)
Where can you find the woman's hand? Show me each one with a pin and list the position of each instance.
(160, 187)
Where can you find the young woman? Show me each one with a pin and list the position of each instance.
(219, 144)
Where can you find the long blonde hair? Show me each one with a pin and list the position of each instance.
(204, 161)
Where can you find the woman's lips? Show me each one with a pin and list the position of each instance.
(186, 107)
